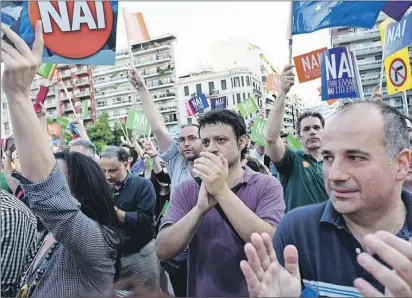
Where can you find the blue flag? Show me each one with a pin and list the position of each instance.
(309, 16)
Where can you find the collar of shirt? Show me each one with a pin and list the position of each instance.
(124, 183)
(331, 216)
(308, 156)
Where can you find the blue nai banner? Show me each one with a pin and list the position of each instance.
(218, 103)
(398, 35)
(198, 104)
(74, 32)
(340, 76)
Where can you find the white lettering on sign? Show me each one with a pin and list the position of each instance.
(345, 66)
(197, 103)
(310, 62)
(261, 128)
(396, 32)
(81, 14)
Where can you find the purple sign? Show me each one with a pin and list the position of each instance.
(198, 103)
(218, 103)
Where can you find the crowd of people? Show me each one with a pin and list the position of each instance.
(211, 212)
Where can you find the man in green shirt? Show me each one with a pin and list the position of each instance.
(300, 171)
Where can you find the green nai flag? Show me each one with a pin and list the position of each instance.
(85, 108)
(63, 121)
(137, 121)
(293, 142)
(47, 70)
(259, 132)
(247, 107)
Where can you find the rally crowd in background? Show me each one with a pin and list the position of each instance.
(221, 215)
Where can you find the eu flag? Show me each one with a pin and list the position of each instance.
(309, 16)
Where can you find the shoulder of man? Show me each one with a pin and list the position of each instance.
(10, 202)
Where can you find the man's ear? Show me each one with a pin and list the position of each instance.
(403, 161)
(243, 141)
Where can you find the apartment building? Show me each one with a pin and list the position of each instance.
(155, 60)
(235, 85)
(367, 46)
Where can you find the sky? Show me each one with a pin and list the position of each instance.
(199, 25)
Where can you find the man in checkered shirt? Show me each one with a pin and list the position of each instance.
(18, 242)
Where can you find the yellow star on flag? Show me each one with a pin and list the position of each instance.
(318, 7)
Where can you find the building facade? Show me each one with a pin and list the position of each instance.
(367, 46)
(155, 60)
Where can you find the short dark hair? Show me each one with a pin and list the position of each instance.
(132, 153)
(227, 117)
(395, 136)
(86, 144)
(117, 152)
(306, 114)
(189, 125)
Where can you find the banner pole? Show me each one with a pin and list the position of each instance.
(405, 102)
(289, 33)
(69, 97)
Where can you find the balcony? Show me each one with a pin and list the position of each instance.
(355, 36)
(158, 60)
(370, 65)
(366, 50)
(164, 98)
(152, 50)
(372, 80)
(114, 93)
(82, 70)
(116, 116)
(168, 85)
(117, 80)
(63, 65)
(82, 82)
(66, 84)
(168, 123)
(82, 94)
(113, 105)
(102, 70)
(167, 109)
(66, 74)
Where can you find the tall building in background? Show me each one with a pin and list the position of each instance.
(236, 85)
(155, 59)
(368, 49)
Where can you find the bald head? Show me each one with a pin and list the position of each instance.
(369, 118)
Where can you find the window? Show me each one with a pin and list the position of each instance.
(199, 89)
(231, 79)
(243, 81)
(223, 83)
(211, 87)
(247, 81)
(244, 96)
(233, 99)
(6, 126)
(248, 95)
(186, 88)
(238, 98)
(189, 120)
(237, 82)
(4, 105)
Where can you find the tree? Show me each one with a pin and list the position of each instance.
(118, 132)
(100, 133)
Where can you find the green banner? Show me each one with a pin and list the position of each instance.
(149, 162)
(63, 121)
(293, 142)
(137, 121)
(47, 70)
(259, 132)
(164, 209)
(85, 108)
(247, 107)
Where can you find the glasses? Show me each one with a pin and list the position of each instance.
(190, 139)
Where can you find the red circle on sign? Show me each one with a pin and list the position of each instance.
(390, 69)
(74, 44)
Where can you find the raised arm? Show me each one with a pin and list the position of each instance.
(44, 183)
(275, 147)
(78, 122)
(153, 115)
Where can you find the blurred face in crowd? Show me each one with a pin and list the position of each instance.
(311, 133)
(221, 139)
(82, 150)
(189, 142)
(115, 170)
(359, 176)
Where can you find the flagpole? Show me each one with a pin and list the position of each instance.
(129, 49)
(405, 102)
(289, 32)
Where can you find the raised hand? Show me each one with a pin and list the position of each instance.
(395, 252)
(376, 94)
(136, 79)
(287, 78)
(20, 63)
(265, 277)
(78, 121)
